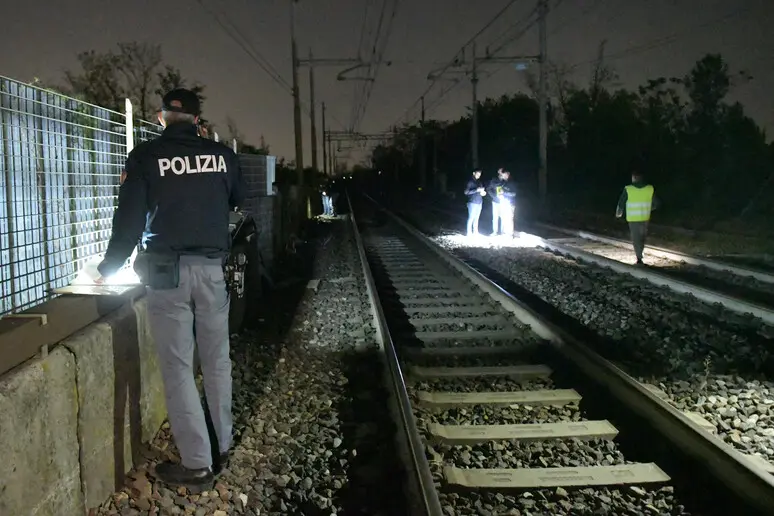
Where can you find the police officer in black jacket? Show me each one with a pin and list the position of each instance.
(176, 197)
(475, 192)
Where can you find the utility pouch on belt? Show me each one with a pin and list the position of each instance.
(158, 271)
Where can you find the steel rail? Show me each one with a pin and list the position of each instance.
(750, 483)
(420, 468)
(669, 254)
(709, 296)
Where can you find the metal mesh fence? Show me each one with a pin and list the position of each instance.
(60, 164)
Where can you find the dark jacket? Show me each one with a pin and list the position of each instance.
(471, 190)
(507, 190)
(621, 208)
(177, 195)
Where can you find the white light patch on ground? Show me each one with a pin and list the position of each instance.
(523, 240)
(626, 256)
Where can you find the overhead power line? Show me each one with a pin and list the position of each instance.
(233, 32)
(243, 43)
(530, 19)
(449, 64)
(655, 43)
(376, 59)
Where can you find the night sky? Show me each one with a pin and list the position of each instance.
(43, 38)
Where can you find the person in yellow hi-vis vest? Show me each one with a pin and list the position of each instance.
(637, 200)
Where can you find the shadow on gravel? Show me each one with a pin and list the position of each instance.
(375, 476)
(256, 350)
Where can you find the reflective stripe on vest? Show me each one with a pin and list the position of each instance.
(638, 203)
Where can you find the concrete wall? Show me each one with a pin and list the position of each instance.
(73, 423)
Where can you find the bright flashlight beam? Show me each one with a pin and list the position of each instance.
(88, 275)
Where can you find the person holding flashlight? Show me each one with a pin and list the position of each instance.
(175, 197)
(475, 193)
(502, 191)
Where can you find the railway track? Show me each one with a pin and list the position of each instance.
(507, 414)
(751, 284)
(742, 289)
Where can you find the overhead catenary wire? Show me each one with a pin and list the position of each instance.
(531, 20)
(661, 41)
(450, 63)
(243, 43)
(231, 30)
(377, 57)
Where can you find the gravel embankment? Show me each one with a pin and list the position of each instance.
(743, 287)
(313, 433)
(707, 359)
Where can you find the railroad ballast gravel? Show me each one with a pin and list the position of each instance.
(312, 433)
(515, 454)
(707, 359)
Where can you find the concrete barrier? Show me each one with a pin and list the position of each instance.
(73, 423)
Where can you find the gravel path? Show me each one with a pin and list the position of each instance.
(744, 287)
(313, 435)
(707, 359)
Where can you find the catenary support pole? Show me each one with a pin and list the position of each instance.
(474, 111)
(313, 122)
(325, 143)
(543, 172)
(296, 97)
(422, 150)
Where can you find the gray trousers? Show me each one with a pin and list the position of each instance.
(502, 218)
(638, 232)
(495, 218)
(201, 301)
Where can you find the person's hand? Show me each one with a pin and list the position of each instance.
(100, 280)
(483, 193)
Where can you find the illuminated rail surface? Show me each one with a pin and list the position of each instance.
(499, 403)
(741, 289)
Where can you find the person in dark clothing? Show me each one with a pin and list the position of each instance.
(502, 191)
(637, 200)
(475, 193)
(176, 197)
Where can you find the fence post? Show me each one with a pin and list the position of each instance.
(6, 123)
(129, 126)
(217, 138)
(234, 144)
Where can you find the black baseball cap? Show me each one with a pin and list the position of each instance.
(181, 100)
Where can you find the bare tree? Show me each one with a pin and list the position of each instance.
(171, 78)
(139, 62)
(98, 81)
(136, 71)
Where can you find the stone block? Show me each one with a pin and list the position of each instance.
(120, 397)
(39, 453)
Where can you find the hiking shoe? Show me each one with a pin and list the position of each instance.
(177, 475)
